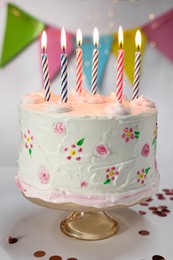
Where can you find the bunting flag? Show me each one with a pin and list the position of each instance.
(54, 49)
(129, 49)
(105, 43)
(160, 33)
(21, 30)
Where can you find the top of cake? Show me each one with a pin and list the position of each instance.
(86, 104)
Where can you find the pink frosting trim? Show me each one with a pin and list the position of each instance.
(99, 201)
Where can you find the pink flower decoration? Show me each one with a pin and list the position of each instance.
(84, 184)
(145, 150)
(43, 175)
(59, 128)
(102, 150)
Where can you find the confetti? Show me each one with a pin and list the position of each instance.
(141, 212)
(72, 258)
(12, 240)
(39, 253)
(158, 257)
(144, 204)
(55, 257)
(144, 232)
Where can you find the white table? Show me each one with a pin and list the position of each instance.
(37, 228)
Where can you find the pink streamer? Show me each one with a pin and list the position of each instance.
(160, 32)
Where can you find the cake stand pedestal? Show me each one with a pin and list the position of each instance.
(92, 225)
(85, 223)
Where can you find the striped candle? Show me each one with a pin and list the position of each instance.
(79, 62)
(63, 68)
(95, 62)
(45, 67)
(137, 66)
(120, 68)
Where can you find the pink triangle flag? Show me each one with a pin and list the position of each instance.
(159, 31)
(54, 49)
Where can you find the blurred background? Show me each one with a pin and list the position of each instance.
(23, 73)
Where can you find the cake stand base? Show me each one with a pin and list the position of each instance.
(93, 225)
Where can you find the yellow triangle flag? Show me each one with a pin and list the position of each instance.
(130, 49)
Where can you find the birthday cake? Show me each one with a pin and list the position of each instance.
(92, 151)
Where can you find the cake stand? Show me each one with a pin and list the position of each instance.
(85, 223)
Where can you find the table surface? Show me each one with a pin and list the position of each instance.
(37, 228)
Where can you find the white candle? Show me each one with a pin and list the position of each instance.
(95, 61)
(138, 41)
(45, 67)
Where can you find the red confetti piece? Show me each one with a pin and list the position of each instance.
(158, 257)
(152, 208)
(12, 240)
(166, 190)
(169, 193)
(144, 232)
(39, 253)
(149, 200)
(160, 213)
(161, 198)
(141, 212)
(162, 207)
(159, 194)
(171, 198)
(166, 211)
(72, 258)
(55, 257)
(144, 204)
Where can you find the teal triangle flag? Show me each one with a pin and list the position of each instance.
(105, 44)
(21, 29)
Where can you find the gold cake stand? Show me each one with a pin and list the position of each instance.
(85, 223)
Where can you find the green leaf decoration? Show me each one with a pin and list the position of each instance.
(30, 152)
(147, 170)
(80, 142)
(107, 181)
(154, 141)
(21, 29)
(137, 132)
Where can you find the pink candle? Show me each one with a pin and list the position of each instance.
(79, 62)
(120, 67)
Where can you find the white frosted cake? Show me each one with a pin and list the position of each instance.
(91, 151)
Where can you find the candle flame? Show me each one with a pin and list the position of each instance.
(44, 41)
(96, 37)
(63, 39)
(79, 37)
(120, 37)
(138, 39)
